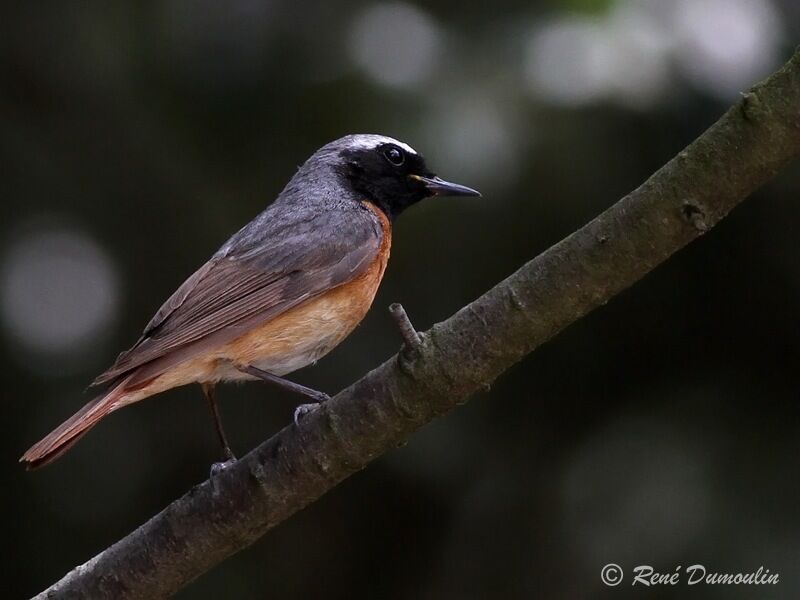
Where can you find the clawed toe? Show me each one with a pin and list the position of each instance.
(320, 397)
(219, 467)
(304, 409)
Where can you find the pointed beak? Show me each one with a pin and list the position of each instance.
(439, 187)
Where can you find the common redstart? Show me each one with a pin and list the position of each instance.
(280, 294)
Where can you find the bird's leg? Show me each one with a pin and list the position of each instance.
(290, 386)
(209, 393)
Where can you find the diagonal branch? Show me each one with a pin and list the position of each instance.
(684, 199)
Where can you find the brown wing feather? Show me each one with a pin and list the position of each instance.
(232, 293)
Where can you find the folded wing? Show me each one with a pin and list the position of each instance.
(244, 287)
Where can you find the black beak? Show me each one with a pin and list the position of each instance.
(439, 187)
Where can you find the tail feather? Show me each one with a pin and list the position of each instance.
(63, 437)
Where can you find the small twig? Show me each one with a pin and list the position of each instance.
(411, 338)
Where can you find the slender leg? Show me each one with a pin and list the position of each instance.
(208, 392)
(290, 386)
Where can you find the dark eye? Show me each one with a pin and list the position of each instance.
(394, 155)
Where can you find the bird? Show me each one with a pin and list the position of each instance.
(279, 295)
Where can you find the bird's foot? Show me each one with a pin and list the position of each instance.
(219, 467)
(304, 409)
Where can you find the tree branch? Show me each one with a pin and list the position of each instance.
(684, 199)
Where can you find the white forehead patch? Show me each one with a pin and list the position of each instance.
(369, 141)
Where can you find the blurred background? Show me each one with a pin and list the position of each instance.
(661, 430)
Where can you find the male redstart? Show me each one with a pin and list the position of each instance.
(280, 294)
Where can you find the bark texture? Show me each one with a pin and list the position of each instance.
(684, 199)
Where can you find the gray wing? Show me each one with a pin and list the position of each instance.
(251, 283)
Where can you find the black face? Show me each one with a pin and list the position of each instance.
(395, 179)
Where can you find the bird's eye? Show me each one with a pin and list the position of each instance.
(394, 155)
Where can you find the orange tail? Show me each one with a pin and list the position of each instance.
(63, 437)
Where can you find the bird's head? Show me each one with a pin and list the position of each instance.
(387, 172)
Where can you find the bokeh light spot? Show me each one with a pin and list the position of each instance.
(476, 137)
(396, 44)
(58, 291)
(726, 45)
(623, 57)
(566, 61)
